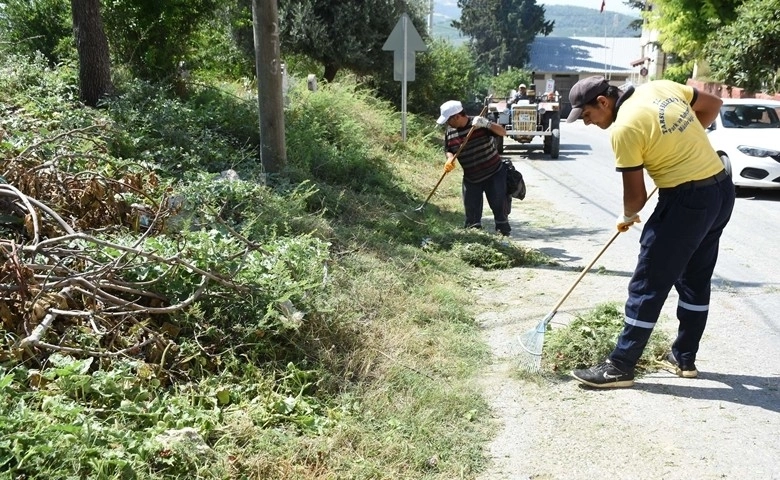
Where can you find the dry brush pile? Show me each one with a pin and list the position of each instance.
(66, 284)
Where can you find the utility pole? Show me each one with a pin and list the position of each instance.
(265, 20)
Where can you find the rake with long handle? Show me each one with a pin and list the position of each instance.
(468, 135)
(532, 341)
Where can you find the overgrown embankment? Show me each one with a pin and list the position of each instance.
(167, 314)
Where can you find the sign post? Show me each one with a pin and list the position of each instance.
(404, 41)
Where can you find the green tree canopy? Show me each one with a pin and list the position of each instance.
(685, 26)
(43, 26)
(502, 31)
(746, 53)
(342, 34)
(152, 37)
(444, 72)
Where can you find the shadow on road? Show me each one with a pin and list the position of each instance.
(748, 390)
(533, 151)
(523, 232)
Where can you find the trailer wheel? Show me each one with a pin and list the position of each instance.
(555, 146)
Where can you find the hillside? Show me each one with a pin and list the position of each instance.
(570, 21)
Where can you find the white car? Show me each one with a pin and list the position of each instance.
(746, 136)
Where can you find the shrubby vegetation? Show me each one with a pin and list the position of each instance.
(169, 311)
(733, 36)
(745, 53)
(324, 331)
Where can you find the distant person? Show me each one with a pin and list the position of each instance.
(521, 94)
(483, 171)
(660, 127)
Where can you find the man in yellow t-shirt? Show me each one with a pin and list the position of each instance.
(659, 127)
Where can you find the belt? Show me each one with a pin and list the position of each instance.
(705, 182)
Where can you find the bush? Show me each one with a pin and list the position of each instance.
(332, 142)
(444, 72)
(152, 37)
(303, 354)
(212, 130)
(43, 26)
(508, 80)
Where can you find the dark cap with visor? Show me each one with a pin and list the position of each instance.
(584, 92)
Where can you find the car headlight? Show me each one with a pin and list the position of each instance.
(542, 111)
(758, 152)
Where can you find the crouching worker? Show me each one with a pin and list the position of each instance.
(483, 171)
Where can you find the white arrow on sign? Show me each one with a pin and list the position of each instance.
(404, 41)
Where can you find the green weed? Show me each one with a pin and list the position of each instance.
(591, 337)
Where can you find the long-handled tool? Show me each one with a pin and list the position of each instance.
(468, 135)
(532, 341)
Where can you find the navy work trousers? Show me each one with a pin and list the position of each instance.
(678, 248)
(494, 189)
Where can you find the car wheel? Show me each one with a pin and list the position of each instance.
(726, 163)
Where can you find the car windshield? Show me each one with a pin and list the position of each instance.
(749, 116)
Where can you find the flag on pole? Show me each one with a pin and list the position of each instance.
(603, 4)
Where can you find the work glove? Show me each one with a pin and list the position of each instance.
(449, 166)
(480, 122)
(624, 222)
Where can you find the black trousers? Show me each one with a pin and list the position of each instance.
(494, 189)
(678, 248)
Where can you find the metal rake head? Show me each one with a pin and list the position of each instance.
(532, 343)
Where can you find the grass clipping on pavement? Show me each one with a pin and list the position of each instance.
(590, 338)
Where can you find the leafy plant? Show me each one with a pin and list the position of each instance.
(151, 37)
(591, 337)
(506, 81)
(39, 26)
(740, 54)
(495, 256)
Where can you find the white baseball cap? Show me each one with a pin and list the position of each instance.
(448, 109)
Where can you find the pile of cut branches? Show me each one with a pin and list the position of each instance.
(66, 284)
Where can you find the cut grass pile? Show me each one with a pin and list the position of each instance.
(590, 338)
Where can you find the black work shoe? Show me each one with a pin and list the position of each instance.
(604, 375)
(684, 371)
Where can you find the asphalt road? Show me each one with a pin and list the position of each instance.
(583, 185)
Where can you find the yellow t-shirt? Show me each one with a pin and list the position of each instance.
(657, 129)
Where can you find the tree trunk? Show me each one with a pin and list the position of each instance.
(331, 69)
(265, 19)
(92, 46)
